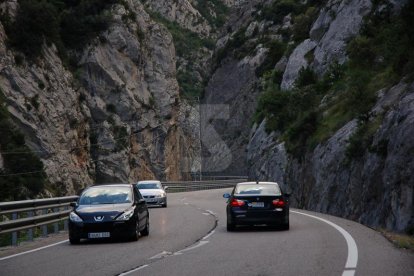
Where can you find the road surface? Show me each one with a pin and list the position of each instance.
(190, 238)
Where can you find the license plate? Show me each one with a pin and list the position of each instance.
(257, 204)
(99, 235)
(151, 200)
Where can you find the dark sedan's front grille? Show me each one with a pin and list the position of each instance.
(99, 227)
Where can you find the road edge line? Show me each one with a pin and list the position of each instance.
(352, 258)
(31, 251)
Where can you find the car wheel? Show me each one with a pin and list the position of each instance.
(230, 226)
(74, 240)
(145, 231)
(135, 235)
(164, 205)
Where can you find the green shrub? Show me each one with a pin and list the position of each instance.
(67, 24)
(190, 87)
(214, 11)
(303, 24)
(306, 77)
(36, 21)
(276, 51)
(279, 9)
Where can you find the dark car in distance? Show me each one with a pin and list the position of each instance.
(255, 203)
(109, 211)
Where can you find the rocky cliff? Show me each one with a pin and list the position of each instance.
(331, 111)
(316, 95)
(117, 117)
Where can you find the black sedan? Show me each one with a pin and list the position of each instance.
(254, 203)
(109, 211)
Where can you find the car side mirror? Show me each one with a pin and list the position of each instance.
(141, 201)
(165, 188)
(226, 195)
(73, 204)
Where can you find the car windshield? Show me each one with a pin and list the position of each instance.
(106, 195)
(143, 186)
(258, 189)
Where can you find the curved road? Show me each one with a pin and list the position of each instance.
(189, 238)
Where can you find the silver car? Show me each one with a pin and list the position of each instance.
(153, 192)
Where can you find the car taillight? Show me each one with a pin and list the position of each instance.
(236, 203)
(278, 203)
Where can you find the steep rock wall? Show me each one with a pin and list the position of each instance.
(118, 118)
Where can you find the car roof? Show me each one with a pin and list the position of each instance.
(260, 182)
(111, 185)
(148, 181)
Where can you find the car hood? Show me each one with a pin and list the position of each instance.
(108, 211)
(145, 192)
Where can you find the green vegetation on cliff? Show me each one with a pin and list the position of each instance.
(315, 109)
(70, 25)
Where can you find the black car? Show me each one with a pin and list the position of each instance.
(109, 211)
(254, 203)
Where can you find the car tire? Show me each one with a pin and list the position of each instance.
(164, 205)
(145, 231)
(74, 240)
(135, 235)
(230, 226)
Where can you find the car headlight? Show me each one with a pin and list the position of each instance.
(126, 215)
(160, 195)
(74, 217)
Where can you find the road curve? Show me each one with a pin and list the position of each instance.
(181, 243)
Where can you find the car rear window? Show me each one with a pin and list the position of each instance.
(258, 189)
(106, 195)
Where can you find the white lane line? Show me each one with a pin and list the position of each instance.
(160, 255)
(31, 251)
(348, 273)
(352, 259)
(197, 245)
(208, 235)
(131, 271)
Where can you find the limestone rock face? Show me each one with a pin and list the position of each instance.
(376, 189)
(296, 62)
(183, 13)
(118, 118)
(345, 19)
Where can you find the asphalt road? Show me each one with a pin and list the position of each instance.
(189, 238)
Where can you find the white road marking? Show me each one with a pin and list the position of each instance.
(197, 245)
(211, 212)
(207, 214)
(348, 272)
(31, 251)
(352, 259)
(131, 271)
(160, 255)
(208, 235)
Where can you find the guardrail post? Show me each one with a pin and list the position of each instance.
(14, 234)
(65, 222)
(44, 227)
(56, 224)
(30, 231)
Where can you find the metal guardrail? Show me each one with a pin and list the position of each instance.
(17, 216)
(188, 186)
(21, 215)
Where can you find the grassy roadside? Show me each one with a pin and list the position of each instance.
(399, 240)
